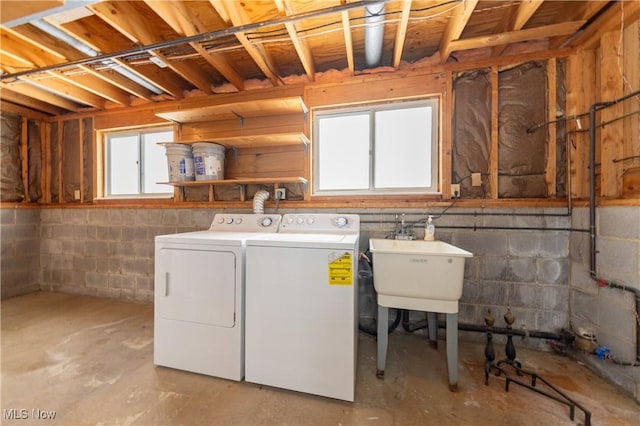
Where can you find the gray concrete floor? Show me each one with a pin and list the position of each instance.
(90, 361)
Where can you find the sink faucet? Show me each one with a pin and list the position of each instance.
(403, 232)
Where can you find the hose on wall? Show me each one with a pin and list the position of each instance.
(258, 201)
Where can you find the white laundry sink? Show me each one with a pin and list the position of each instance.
(417, 274)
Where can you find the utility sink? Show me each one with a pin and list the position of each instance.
(417, 274)
(423, 276)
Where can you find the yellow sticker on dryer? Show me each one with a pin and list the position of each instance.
(341, 269)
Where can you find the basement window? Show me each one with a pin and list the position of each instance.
(135, 163)
(377, 149)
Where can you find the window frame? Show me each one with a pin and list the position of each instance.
(106, 136)
(435, 102)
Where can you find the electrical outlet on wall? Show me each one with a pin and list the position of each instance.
(281, 193)
(455, 190)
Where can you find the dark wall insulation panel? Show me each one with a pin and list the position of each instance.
(34, 160)
(522, 156)
(471, 131)
(11, 187)
(70, 160)
(87, 160)
(55, 161)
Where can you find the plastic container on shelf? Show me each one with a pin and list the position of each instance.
(208, 160)
(179, 162)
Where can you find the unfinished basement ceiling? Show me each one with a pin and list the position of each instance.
(56, 58)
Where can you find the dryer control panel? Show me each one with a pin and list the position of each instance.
(320, 223)
(243, 222)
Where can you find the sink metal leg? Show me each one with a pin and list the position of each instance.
(452, 351)
(383, 339)
(432, 323)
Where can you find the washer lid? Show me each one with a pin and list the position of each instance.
(319, 241)
(207, 237)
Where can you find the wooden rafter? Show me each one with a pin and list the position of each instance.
(302, 48)
(45, 96)
(125, 19)
(454, 28)
(184, 22)
(608, 21)
(517, 21)
(8, 95)
(401, 33)
(67, 90)
(516, 36)
(348, 41)
(94, 85)
(236, 16)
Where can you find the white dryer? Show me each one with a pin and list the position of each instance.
(199, 295)
(301, 312)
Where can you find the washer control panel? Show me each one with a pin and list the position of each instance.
(243, 222)
(333, 223)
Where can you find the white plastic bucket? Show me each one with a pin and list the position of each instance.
(180, 162)
(208, 160)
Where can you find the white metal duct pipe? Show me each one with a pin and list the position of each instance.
(258, 201)
(373, 34)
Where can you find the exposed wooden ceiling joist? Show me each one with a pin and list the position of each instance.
(211, 46)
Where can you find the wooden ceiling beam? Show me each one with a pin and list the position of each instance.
(19, 47)
(47, 96)
(65, 89)
(516, 36)
(94, 85)
(153, 75)
(608, 21)
(454, 28)
(348, 41)
(184, 22)
(9, 95)
(301, 46)
(120, 81)
(517, 21)
(401, 33)
(125, 19)
(233, 13)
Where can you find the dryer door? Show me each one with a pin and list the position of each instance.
(196, 285)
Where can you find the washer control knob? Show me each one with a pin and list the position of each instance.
(221, 219)
(239, 220)
(300, 220)
(342, 221)
(229, 220)
(266, 221)
(310, 220)
(289, 219)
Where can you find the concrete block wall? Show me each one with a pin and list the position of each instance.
(609, 312)
(108, 252)
(521, 262)
(20, 256)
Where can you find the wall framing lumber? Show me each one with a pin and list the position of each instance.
(611, 135)
(24, 156)
(551, 169)
(493, 154)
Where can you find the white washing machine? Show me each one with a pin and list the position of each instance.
(301, 312)
(199, 295)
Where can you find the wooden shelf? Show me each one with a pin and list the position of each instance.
(238, 110)
(241, 182)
